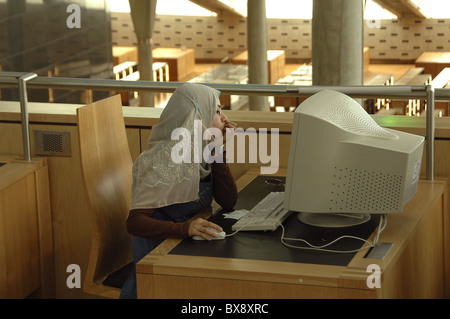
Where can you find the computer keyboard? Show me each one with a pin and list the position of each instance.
(266, 215)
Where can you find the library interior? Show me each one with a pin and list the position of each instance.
(338, 108)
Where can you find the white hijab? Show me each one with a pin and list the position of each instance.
(157, 180)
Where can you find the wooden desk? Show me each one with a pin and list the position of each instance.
(409, 76)
(160, 74)
(442, 80)
(275, 63)
(124, 69)
(26, 248)
(181, 62)
(433, 62)
(301, 77)
(124, 54)
(414, 268)
(366, 59)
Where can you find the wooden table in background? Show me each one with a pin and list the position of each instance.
(433, 62)
(275, 63)
(181, 62)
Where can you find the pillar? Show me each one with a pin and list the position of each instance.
(257, 51)
(337, 42)
(143, 16)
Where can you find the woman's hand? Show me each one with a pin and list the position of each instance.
(231, 126)
(200, 227)
(227, 131)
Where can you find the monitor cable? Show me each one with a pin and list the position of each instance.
(381, 226)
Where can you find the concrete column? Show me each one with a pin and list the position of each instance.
(337, 42)
(143, 16)
(257, 51)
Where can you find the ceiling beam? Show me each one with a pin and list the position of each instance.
(414, 8)
(401, 8)
(218, 7)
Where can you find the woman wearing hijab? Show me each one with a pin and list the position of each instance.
(166, 194)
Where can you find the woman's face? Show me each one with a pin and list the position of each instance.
(219, 119)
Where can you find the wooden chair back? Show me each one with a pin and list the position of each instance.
(106, 165)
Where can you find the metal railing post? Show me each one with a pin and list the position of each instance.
(24, 113)
(430, 128)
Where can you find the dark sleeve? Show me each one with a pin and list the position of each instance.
(140, 223)
(225, 190)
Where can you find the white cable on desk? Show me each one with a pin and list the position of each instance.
(381, 227)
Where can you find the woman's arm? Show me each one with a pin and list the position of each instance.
(140, 223)
(225, 190)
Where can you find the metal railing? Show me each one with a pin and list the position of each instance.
(426, 92)
(22, 79)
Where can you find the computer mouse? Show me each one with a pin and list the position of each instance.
(220, 235)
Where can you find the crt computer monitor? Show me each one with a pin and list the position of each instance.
(342, 162)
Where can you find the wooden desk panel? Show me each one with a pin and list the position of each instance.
(162, 275)
(124, 54)
(26, 250)
(275, 63)
(181, 62)
(240, 279)
(69, 205)
(433, 62)
(418, 254)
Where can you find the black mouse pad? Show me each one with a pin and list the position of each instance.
(267, 245)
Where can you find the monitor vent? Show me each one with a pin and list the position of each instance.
(356, 190)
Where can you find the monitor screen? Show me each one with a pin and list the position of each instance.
(342, 162)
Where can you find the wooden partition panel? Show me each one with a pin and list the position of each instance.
(26, 249)
(70, 212)
(69, 204)
(21, 270)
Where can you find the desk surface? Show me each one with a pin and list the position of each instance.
(171, 53)
(165, 275)
(14, 168)
(271, 55)
(224, 73)
(262, 245)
